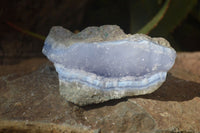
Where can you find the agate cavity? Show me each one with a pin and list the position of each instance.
(102, 63)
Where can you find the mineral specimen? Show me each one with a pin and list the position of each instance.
(103, 63)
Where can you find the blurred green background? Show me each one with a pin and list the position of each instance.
(176, 20)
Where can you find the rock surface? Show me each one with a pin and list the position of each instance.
(33, 96)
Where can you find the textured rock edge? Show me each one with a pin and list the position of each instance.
(82, 95)
(97, 34)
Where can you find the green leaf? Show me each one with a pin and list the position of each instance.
(141, 12)
(177, 11)
(151, 24)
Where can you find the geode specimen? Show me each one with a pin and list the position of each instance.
(103, 63)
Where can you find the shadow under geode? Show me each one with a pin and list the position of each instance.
(174, 89)
(107, 103)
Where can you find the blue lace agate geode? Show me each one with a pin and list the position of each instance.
(102, 63)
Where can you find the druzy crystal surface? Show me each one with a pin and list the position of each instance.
(102, 63)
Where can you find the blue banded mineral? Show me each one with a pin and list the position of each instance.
(103, 63)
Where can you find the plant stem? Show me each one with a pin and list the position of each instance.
(25, 31)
